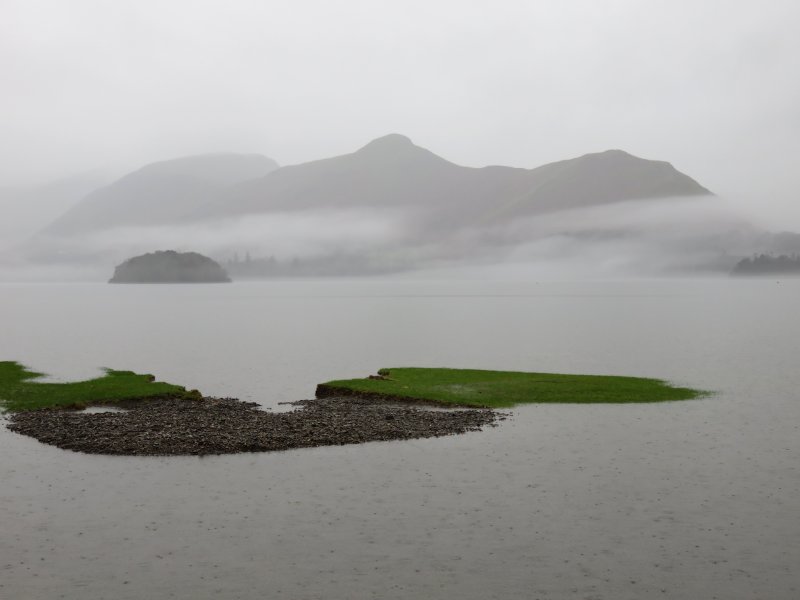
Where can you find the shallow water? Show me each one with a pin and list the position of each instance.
(693, 499)
(103, 409)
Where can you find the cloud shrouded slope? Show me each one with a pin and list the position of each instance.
(160, 193)
(392, 172)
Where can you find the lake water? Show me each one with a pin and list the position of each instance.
(687, 500)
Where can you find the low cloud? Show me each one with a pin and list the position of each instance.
(284, 236)
(674, 236)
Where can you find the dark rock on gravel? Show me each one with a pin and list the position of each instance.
(226, 425)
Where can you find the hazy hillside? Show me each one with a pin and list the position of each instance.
(601, 178)
(388, 173)
(26, 210)
(392, 172)
(160, 193)
(392, 206)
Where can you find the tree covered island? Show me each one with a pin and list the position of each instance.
(169, 266)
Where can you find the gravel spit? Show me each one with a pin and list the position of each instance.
(227, 425)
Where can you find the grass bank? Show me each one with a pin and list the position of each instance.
(19, 390)
(502, 389)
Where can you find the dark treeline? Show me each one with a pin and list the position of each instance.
(768, 264)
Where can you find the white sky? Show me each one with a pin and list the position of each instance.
(712, 86)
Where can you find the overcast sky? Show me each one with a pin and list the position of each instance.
(712, 86)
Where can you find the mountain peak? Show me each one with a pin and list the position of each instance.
(616, 152)
(395, 151)
(393, 141)
(611, 154)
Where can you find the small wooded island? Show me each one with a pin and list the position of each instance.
(154, 418)
(169, 266)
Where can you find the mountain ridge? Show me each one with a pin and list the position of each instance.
(393, 171)
(392, 205)
(389, 172)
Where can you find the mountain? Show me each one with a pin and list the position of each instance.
(28, 209)
(389, 172)
(390, 205)
(160, 193)
(393, 172)
(602, 178)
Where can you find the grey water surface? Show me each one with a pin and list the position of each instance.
(697, 499)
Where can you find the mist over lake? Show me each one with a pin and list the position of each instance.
(619, 501)
(356, 300)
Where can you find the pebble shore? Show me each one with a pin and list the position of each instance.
(227, 425)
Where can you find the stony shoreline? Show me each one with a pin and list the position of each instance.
(171, 426)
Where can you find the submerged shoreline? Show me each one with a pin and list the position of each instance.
(172, 426)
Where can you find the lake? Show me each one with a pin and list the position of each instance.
(697, 499)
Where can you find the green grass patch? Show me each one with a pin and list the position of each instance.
(20, 391)
(501, 389)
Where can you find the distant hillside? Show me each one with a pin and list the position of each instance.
(27, 209)
(389, 172)
(601, 178)
(390, 206)
(168, 266)
(160, 193)
(392, 172)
